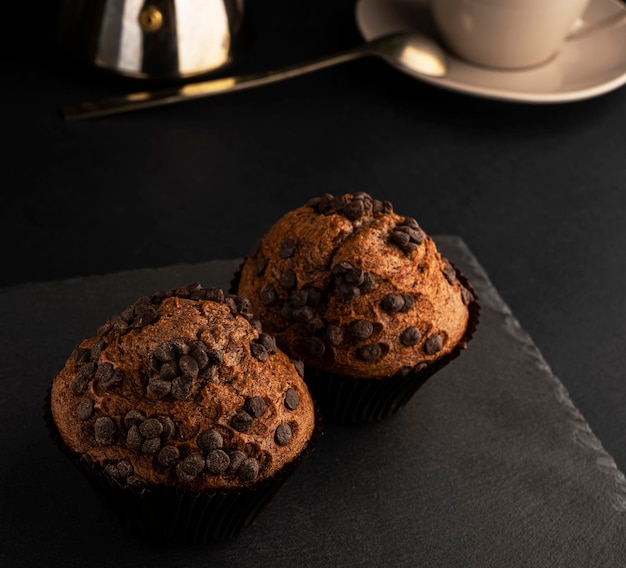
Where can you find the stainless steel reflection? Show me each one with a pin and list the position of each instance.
(416, 52)
(154, 39)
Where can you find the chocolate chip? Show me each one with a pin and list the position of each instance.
(111, 470)
(230, 302)
(215, 356)
(158, 388)
(214, 294)
(402, 373)
(125, 468)
(118, 324)
(259, 352)
(261, 265)
(313, 297)
(392, 303)
(217, 461)
(287, 248)
(466, 296)
(255, 406)
(241, 421)
(133, 417)
(256, 324)
(151, 428)
(401, 238)
(168, 456)
(355, 276)
(181, 347)
(315, 347)
(165, 352)
(87, 371)
(433, 344)
(97, 349)
(368, 282)
(84, 410)
(419, 367)
(208, 373)
(449, 273)
(188, 366)
(303, 315)
(287, 312)
(169, 428)
(201, 356)
(193, 464)
(197, 293)
(299, 365)
(248, 470)
(369, 353)
(361, 329)
(236, 459)
(134, 441)
(268, 341)
(268, 295)
(334, 334)
(181, 388)
(298, 298)
(80, 355)
(104, 430)
(145, 315)
(314, 325)
(243, 304)
(292, 400)
(136, 481)
(151, 446)
(409, 302)
(210, 440)
(168, 371)
(410, 336)
(288, 279)
(79, 386)
(158, 297)
(341, 268)
(354, 210)
(338, 202)
(283, 434)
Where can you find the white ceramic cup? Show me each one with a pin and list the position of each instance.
(507, 34)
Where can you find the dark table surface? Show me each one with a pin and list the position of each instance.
(538, 192)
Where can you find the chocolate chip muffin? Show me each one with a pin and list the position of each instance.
(185, 416)
(363, 297)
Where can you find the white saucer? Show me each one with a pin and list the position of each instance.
(584, 68)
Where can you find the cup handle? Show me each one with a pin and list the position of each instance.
(581, 29)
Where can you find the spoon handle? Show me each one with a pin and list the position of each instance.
(190, 91)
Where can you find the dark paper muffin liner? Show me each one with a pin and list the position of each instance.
(359, 400)
(173, 514)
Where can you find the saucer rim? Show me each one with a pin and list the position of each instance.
(501, 94)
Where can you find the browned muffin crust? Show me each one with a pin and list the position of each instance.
(350, 287)
(184, 389)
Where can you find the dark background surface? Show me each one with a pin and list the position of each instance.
(537, 192)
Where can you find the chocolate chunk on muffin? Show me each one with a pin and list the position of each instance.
(363, 297)
(182, 398)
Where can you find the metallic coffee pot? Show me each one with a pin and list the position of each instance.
(153, 39)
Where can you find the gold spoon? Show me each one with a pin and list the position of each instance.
(416, 52)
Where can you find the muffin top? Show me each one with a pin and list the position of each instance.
(348, 286)
(184, 389)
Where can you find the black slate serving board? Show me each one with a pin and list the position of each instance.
(490, 465)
